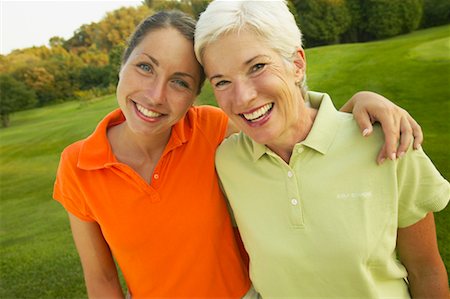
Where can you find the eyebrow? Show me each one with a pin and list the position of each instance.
(247, 62)
(154, 60)
(181, 74)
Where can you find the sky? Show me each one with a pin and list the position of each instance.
(31, 23)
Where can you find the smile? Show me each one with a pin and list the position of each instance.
(146, 112)
(258, 113)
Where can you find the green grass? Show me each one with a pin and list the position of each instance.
(38, 258)
(37, 255)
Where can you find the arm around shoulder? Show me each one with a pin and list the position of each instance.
(100, 272)
(398, 126)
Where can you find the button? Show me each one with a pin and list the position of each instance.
(156, 176)
(300, 150)
(294, 202)
(290, 174)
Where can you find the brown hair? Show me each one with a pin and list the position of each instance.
(178, 20)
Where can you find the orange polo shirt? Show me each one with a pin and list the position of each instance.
(172, 238)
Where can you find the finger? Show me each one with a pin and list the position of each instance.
(391, 130)
(405, 138)
(381, 156)
(416, 132)
(364, 122)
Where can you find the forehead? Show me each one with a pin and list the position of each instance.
(168, 46)
(234, 49)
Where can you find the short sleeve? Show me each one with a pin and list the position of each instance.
(67, 189)
(421, 188)
(213, 123)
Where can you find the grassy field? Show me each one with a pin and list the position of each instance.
(37, 255)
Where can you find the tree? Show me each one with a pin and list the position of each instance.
(198, 7)
(435, 13)
(14, 96)
(56, 41)
(353, 33)
(387, 18)
(41, 82)
(112, 30)
(191, 7)
(94, 77)
(322, 21)
(115, 61)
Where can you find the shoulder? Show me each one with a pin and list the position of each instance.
(349, 131)
(237, 148)
(209, 121)
(70, 157)
(206, 113)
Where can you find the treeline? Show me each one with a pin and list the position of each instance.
(86, 65)
(326, 22)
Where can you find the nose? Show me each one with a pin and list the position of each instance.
(155, 91)
(245, 92)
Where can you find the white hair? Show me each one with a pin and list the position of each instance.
(270, 20)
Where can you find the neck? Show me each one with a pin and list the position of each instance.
(284, 145)
(132, 148)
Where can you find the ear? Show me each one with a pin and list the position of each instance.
(300, 63)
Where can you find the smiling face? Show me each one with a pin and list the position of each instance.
(256, 87)
(158, 82)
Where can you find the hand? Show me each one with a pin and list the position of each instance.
(398, 126)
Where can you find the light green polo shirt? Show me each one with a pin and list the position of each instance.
(325, 225)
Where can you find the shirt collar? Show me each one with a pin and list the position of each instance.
(323, 131)
(181, 131)
(96, 152)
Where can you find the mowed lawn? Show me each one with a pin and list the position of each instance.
(37, 255)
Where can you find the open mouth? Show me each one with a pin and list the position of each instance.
(147, 113)
(258, 113)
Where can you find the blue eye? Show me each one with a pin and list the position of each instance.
(258, 67)
(221, 83)
(181, 83)
(145, 67)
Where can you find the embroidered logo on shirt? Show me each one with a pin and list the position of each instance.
(354, 195)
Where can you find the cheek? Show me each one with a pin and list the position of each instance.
(221, 99)
(181, 101)
(123, 84)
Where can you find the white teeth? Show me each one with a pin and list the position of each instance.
(258, 113)
(147, 112)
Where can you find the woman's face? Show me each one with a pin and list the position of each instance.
(254, 85)
(159, 81)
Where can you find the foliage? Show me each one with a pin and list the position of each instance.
(91, 58)
(353, 32)
(93, 77)
(88, 60)
(112, 30)
(14, 96)
(435, 13)
(322, 21)
(387, 18)
(41, 81)
(115, 61)
(194, 8)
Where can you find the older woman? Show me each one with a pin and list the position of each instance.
(317, 216)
